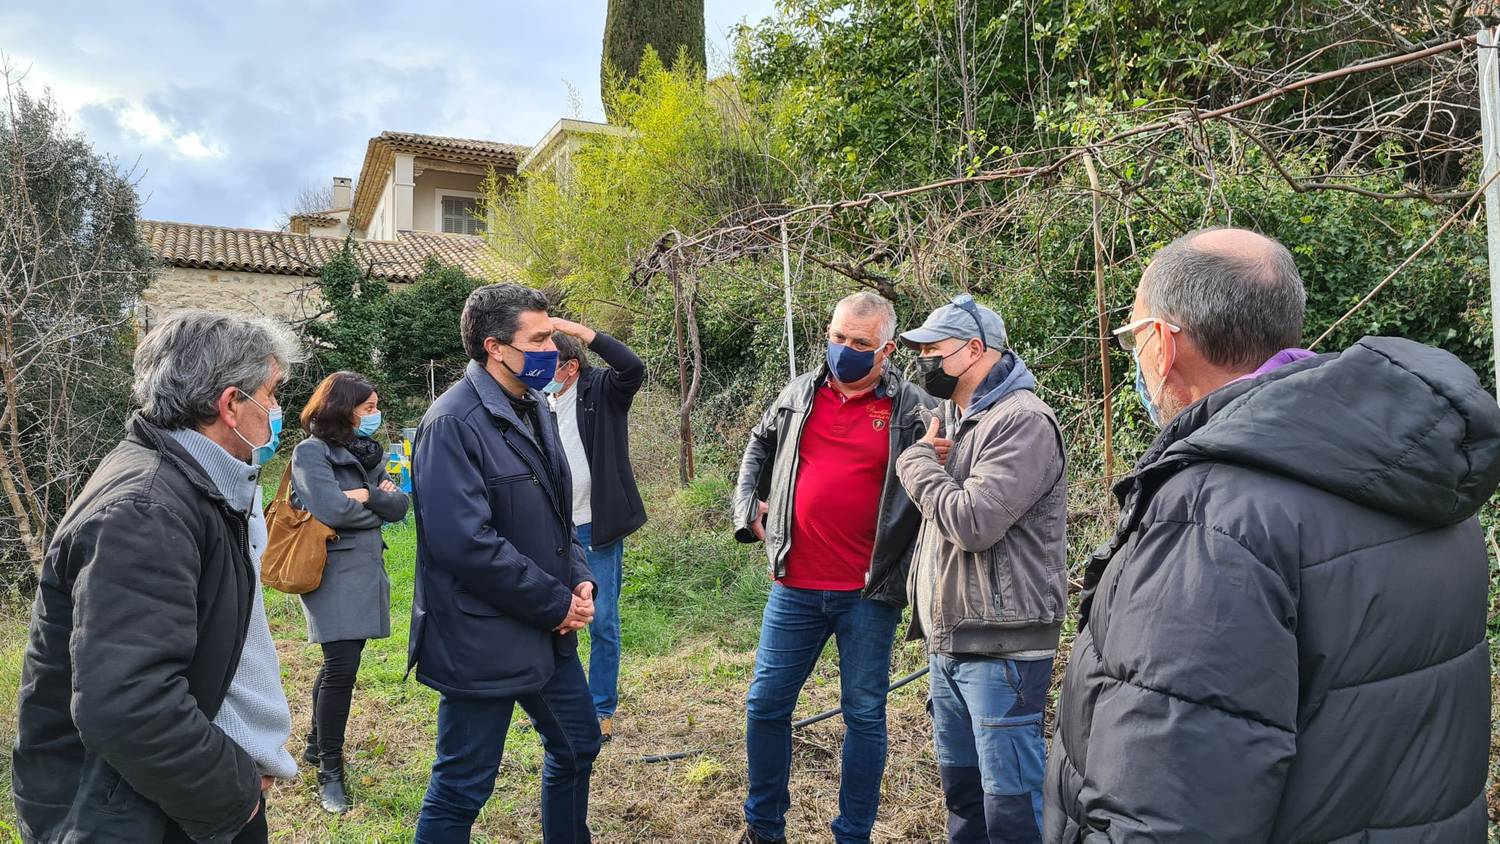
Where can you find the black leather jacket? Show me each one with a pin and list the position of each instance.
(769, 469)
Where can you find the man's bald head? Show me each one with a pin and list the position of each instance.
(1237, 293)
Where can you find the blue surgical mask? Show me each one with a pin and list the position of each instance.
(537, 369)
(849, 365)
(1140, 388)
(553, 387)
(260, 455)
(368, 425)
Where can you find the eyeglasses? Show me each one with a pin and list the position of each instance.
(1126, 333)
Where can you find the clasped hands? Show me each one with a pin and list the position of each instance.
(580, 611)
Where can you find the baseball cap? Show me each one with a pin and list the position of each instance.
(960, 319)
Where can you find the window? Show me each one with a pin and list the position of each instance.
(460, 215)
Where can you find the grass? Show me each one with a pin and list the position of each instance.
(690, 615)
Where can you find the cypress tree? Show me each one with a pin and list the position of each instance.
(630, 26)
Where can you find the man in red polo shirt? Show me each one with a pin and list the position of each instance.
(817, 485)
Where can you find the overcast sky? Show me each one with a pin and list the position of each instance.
(225, 109)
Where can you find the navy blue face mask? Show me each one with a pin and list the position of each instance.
(537, 368)
(849, 365)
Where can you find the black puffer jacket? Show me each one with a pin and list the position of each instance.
(1285, 640)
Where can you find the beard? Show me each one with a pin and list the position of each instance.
(1169, 405)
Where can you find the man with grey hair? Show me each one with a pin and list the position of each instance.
(988, 577)
(817, 486)
(151, 706)
(1285, 638)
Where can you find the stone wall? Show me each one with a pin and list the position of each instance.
(174, 288)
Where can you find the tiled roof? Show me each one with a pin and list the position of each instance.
(285, 253)
(301, 223)
(380, 158)
(466, 149)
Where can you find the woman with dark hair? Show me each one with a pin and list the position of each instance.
(338, 475)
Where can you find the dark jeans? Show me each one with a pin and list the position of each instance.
(254, 832)
(471, 742)
(987, 726)
(604, 631)
(796, 625)
(331, 693)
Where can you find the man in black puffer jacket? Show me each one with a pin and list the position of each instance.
(1285, 639)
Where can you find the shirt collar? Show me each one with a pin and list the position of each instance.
(881, 390)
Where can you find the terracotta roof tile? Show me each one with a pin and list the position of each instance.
(286, 253)
(469, 149)
(301, 223)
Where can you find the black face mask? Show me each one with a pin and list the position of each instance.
(937, 383)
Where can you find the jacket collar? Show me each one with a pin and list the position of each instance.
(1005, 377)
(494, 399)
(155, 438)
(338, 453)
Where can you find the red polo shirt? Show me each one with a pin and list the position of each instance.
(846, 445)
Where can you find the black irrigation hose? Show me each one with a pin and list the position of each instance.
(796, 725)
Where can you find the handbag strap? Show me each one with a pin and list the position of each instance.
(286, 481)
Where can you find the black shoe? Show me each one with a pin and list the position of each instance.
(331, 791)
(310, 753)
(753, 837)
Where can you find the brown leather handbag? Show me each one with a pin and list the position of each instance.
(296, 545)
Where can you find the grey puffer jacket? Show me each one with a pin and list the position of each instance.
(989, 574)
(768, 472)
(1285, 639)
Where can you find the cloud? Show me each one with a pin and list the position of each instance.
(226, 110)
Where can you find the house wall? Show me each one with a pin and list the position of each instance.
(338, 230)
(424, 198)
(175, 288)
(382, 222)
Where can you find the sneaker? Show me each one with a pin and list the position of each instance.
(753, 837)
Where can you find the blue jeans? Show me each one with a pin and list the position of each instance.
(604, 632)
(987, 726)
(471, 742)
(796, 625)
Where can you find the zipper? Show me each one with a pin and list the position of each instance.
(536, 473)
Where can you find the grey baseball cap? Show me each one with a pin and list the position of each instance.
(960, 319)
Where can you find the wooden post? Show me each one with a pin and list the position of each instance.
(695, 345)
(786, 286)
(1489, 121)
(685, 431)
(1099, 304)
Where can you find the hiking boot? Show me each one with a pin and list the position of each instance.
(753, 837)
(606, 730)
(331, 791)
